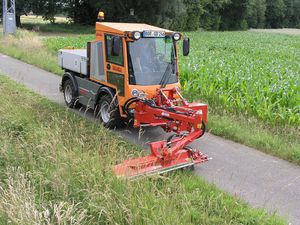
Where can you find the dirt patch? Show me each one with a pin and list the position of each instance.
(279, 31)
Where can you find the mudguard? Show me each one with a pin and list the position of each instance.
(106, 90)
(69, 75)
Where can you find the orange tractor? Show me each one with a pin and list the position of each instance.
(130, 73)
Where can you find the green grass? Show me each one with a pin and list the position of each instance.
(39, 19)
(283, 142)
(56, 167)
(53, 44)
(28, 47)
(61, 26)
(204, 78)
(247, 73)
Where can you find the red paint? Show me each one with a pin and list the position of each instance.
(83, 91)
(173, 113)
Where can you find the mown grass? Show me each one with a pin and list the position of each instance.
(281, 140)
(61, 25)
(39, 19)
(56, 168)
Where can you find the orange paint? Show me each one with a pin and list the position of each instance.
(122, 30)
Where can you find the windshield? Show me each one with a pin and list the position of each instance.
(152, 61)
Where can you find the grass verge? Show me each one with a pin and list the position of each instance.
(279, 142)
(283, 142)
(56, 169)
(28, 47)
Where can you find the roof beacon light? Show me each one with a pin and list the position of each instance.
(176, 36)
(136, 35)
(100, 16)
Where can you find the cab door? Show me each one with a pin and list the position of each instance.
(115, 66)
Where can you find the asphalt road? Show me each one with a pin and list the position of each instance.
(259, 179)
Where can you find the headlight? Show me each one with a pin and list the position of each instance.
(135, 93)
(136, 35)
(176, 36)
(138, 94)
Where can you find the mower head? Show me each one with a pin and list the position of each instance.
(186, 120)
(163, 158)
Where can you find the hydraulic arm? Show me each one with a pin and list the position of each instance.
(174, 114)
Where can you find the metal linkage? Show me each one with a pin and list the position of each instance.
(174, 114)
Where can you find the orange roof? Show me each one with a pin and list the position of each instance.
(123, 27)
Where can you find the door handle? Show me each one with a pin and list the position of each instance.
(108, 66)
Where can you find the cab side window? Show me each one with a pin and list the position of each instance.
(119, 60)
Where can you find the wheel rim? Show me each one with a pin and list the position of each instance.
(104, 112)
(68, 94)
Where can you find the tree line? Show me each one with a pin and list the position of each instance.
(173, 14)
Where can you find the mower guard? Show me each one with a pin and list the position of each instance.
(161, 160)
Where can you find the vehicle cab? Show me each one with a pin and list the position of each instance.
(139, 58)
(127, 60)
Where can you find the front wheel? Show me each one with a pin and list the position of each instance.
(108, 113)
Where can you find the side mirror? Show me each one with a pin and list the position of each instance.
(116, 46)
(186, 46)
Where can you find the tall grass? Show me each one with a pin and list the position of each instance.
(18, 202)
(56, 168)
(28, 46)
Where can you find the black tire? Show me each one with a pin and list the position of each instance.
(70, 95)
(203, 129)
(108, 113)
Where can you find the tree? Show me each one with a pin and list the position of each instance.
(275, 13)
(48, 9)
(234, 15)
(211, 18)
(256, 13)
(172, 14)
(194, 10)
(292, 13)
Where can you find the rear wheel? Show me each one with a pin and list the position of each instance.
(70, 94)
(108, 113)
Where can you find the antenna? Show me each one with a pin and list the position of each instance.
(9, 17)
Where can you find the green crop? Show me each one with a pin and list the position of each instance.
(253, 74)
(56, 43)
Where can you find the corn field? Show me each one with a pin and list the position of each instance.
(253, 74)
